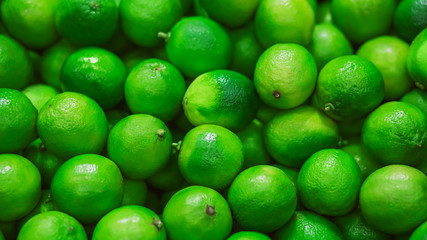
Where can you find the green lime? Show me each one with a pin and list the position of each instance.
(114, 116)
(255, 152)
(52, 225)
(39, 94)
(140, 145)
(285, 75)
(18, 121)
(210, 156)
(71, 124)
(396, 133)
(169, 177)
(417, 60)
(134, 192)
(197, 45)
(292, 173)
(293, 136)
(367, 163)
(221, 97)
(354, 227)
(134, 57)
(393, 199)
(9, 230)
(247, 235)
(97, 73)
(87, 187)
(329, 182)
(420, 232)
(324, 13)
(284, 21)
(349, 87)
(52, 60)
(262, 198)
(45, 204)
(46, 162)
(195, 213)
(20, 187)
(246, 50)
(232, 13)
(363, 19)
(305, 225)
(87, 22)
(417, 98)
(389, 54)
(31, 22)
(155, 87)
(15, 67)
(328, 43)
(351, 128)
(142, 20)
(130, 222)
(410, 18)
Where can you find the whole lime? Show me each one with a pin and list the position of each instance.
(39, 94)
(409, 18)
(417, 60)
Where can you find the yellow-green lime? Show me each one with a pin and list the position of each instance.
(410, 19)
(39, 94)
(329, 182)
(134, 192)
(389, 54)
(196, 213)
(393, 199)
(248, 235)
(285, 75)
(71, 124)
(291, 137)
(416, 97)
(417, 60)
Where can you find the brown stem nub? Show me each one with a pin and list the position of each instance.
(210, 210)
(277, 94)
(158, 224)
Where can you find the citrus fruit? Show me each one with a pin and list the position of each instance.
(210, 156)
(262, 198)
(246, 50)
(87, 187)
(140, 145)
(45, 204)
(285, 75)
(393, 199)
(197, 212)
(420, 233)
(410, 18)
(39, 94)
(52, 225)
(292, 174)
(197, 45)
(97, 73)
(70, 124)
(329, 182)
(46, 162)
(323, 12)
(155, 87)
(142, 20)
(114, 116)
(417, 60)
(247, 235)
(18, 117)
(354, 227)
(389, 54)
(52, 60)
(232, 13)
(134, 192)
(395, 133)
(284, 21)
(255, 152)
(221, 97)
(130, 222)
(15, 66)
(20, 187)
(169, 177)
(367, 163)
(87, 22)
(31, 22)
(328, 43)
(293, 136)
(362, 20)
(305, 225)
(417, 98)
(349, 87)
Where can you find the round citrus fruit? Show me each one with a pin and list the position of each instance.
(420, 233)
(39, 94)
(417, 60)
(416, 97)
(410, 18)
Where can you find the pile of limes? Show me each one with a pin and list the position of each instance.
(213, 119)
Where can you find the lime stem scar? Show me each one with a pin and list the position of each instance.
(210, 210)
